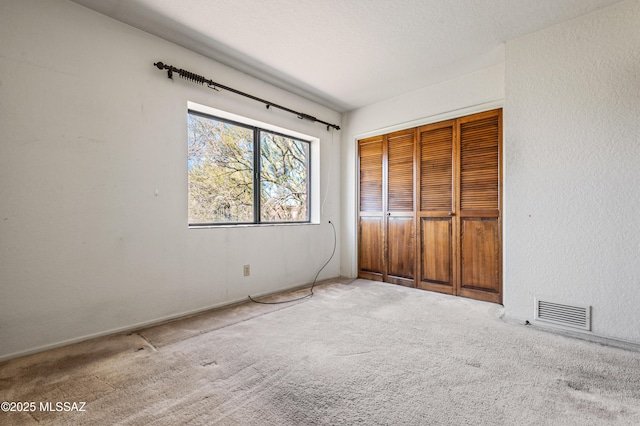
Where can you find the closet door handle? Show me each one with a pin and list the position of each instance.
(451, 214)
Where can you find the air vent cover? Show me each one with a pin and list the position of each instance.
(564, 315)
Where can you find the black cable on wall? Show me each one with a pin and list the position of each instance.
(310, 294)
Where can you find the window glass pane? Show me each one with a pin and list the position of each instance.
(220, 169)
(284, 177)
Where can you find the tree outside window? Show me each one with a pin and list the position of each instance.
(224, 171)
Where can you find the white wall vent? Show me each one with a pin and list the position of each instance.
(564, 315)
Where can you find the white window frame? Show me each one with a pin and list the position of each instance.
(313, 185)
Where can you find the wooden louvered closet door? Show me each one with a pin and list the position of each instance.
(400, 229)
(371, 217)
(459, 218)
(430, 207)
(386, 230)
(437, 208)
(480, 219)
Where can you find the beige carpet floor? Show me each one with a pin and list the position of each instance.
(356, 353)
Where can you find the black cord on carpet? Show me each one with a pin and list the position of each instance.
(335, 242)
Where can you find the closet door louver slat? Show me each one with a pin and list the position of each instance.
(371, 176)
(400, 164)
(436, 165)
(479, 164)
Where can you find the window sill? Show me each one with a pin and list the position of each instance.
(251, 225)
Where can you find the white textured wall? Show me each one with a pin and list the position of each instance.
(474, 92)
(89, 130)
(572, 177)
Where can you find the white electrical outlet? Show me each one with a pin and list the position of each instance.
(247, 270)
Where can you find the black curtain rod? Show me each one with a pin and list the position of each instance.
(215, 86)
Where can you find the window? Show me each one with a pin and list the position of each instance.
(241, 174)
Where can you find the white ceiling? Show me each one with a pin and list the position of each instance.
(345, 54)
